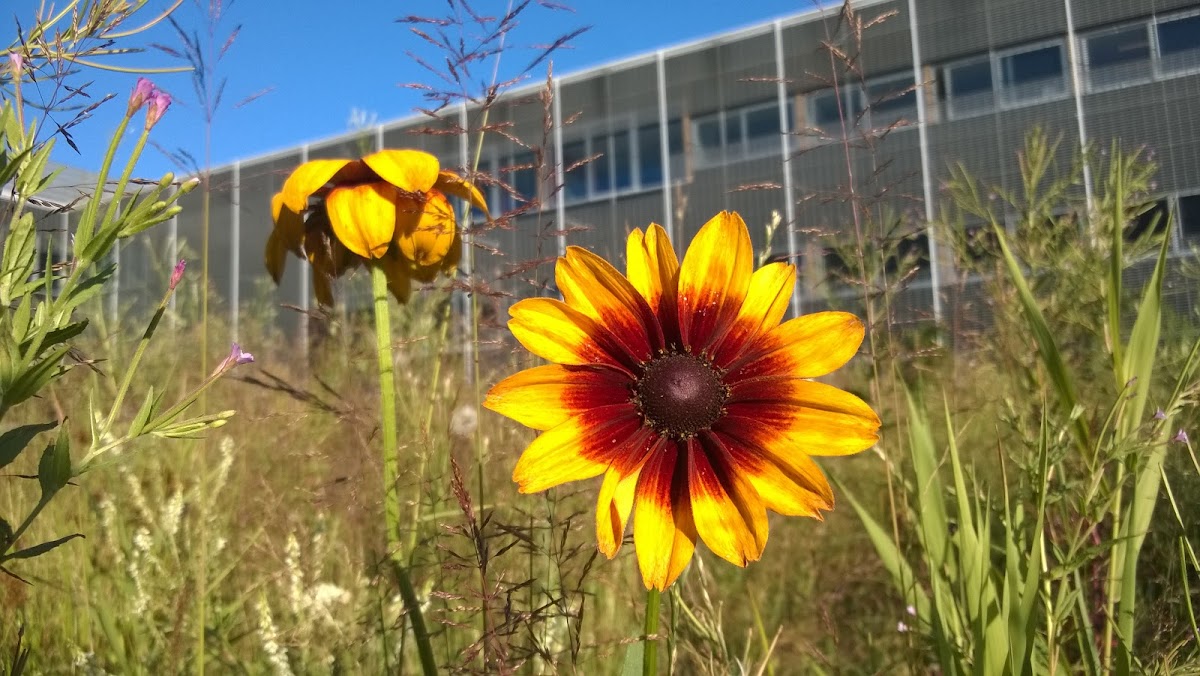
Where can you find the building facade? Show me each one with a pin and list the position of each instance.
(754, 121)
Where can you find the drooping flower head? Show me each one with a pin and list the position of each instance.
(679, 385)
(389, 209)
(157, 107)
(142, 92)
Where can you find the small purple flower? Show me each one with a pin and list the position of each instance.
(1159, 414)
(901, 627)
(158, 106)
(911, 611)
(17, 63)
(236, 357)
(177, 274)
(1182, 437)
(142, 91)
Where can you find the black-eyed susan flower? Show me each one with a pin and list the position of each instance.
(682, 388)
(389, 209)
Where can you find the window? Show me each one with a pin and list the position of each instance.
(1032, 75)
(622, 161)
(742, 132)
(1189, 216)
(600, 167)
(519, 173)
(763, 123)
(891, 100)
(650, 167)
(969, 88)
(1118, 56)
(1179, 44)
(575, 175)
(1147, 218)
(708, 133)
(826, 109)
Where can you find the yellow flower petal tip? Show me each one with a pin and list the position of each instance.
(685, 387)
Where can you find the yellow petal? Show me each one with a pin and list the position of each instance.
(558, 333)
(767, 301)
(713, 280)
(652, 268)
(453, 184)
(791, 415)
(580, 448)
(544, 397)
(613, 508)
(591, 285)
(808, 346)
(412, 171)
(787, 480)
(427, 239)
(363, 217)
(289, 224)
(728, 512)
(664, 533)
(307, 179)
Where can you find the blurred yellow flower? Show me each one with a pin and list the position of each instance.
(680, 385)
(389, 208)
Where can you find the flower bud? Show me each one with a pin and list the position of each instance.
(142, 92)
(177, 273)
(157, 107)
(166, 181)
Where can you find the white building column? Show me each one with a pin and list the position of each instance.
(785, 150)
(1077, 94)
(235, 249)
(664, 146)
(935, 263)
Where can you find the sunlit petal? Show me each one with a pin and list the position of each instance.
(728, 512)
(713, 280)
(589, 284)
(427, 239)
(453, 184)
(307, 179)
(613, 508)
(363, 217)
(580, 448)
(544, 397)
(767, 301)
(412, 171)
(664, 534)
(558, 333)
(787, 480)
(808, 346)
(809, 417)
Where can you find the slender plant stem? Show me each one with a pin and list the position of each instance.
(649, 637)
(391, 499)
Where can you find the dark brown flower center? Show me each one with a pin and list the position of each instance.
(679, 395)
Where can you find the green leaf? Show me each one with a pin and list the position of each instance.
(15, 440)
(87, 288)
(148, 407)
(54, 469)
(58, 336)
(34, 378)
(635, 655)
(1143, 345)
(38, 550)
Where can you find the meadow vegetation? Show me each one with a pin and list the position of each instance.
(1031, 507)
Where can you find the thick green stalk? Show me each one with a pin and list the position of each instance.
(650, 655)
(391, 499)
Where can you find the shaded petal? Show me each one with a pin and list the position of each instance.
(453, 184)
(363, 217)
(581, 448)
(787, 480)
(767, 301)
(306, 179)
(413, 171)
(544, 397)
(728, 512)
(289, 224)
(399, 276)
(275, 256)
(591, 285)
(799, 416)
(809, 346)
(613, 508)
(427, 238)
(664, 533)
(556, 332)
(713, 280)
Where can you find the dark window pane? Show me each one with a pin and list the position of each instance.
(733, 129)
(1153, 218)
(1189, 215)
(675, 137)
(650, 156)
(763, 122)
(601, 167)
(1179, 43)
(827, 113)
(1033, 75)
(892, 100)
(969, 88)
(575, 177)
(523, 181)
(622, 160)
(1118, 56)
(708, 133)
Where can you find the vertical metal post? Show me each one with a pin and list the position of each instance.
(785, 150)
(466, 303)
(235, 249)
(664, 147)
(560, 203)
(935, 276)
(1077, 94)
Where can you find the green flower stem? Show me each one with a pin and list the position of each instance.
(123, 182)
(391, 499)
(649, 638)
(137, 359)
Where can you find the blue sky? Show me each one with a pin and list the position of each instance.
(318, 60)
